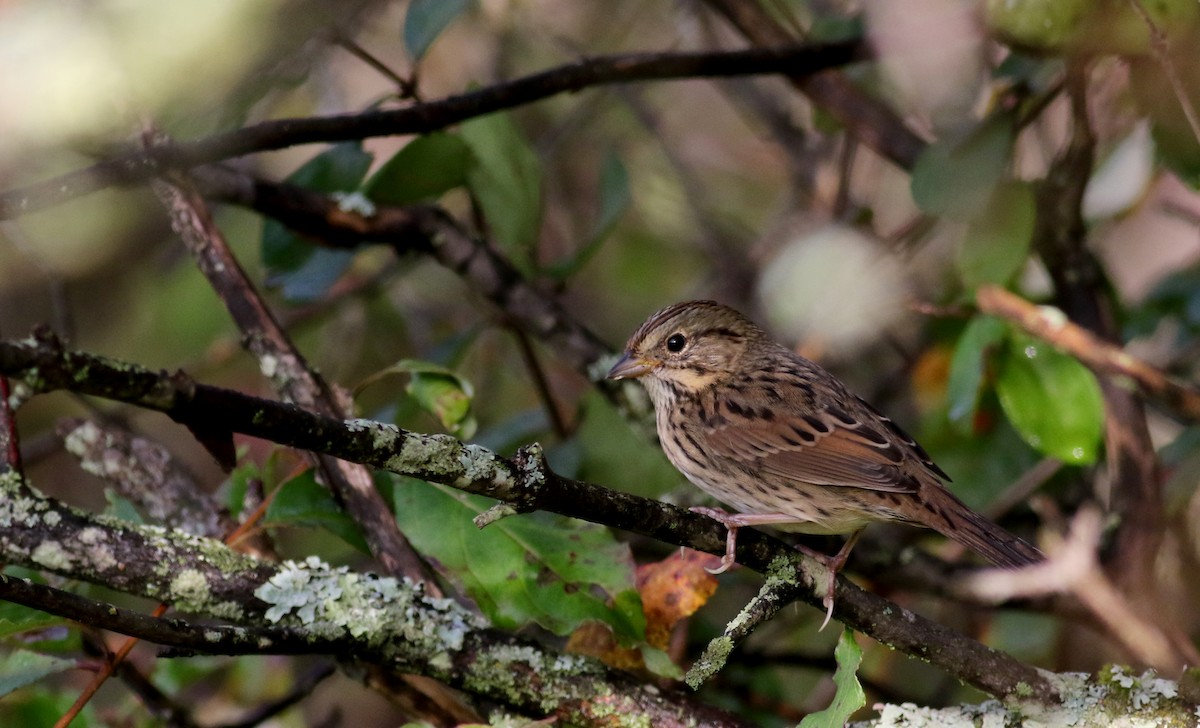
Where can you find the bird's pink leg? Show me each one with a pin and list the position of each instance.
(734, 521)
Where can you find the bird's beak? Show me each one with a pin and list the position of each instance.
(630, 367)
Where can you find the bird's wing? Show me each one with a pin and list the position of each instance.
(828, 447)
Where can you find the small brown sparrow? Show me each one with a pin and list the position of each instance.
(785, 443)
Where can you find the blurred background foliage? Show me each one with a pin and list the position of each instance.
(618, 200)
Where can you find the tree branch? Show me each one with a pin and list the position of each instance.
(143, 164)
(283, 364)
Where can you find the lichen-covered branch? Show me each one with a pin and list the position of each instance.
(146, 474)
(289, 372)
(311, 608)
(193, 573)
(524, 482)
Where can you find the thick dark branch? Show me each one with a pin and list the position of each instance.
(141, 165)
(524, 482)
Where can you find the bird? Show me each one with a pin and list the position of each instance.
(785, 443)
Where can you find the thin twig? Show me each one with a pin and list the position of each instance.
(1180, 399)
(540, 383)
(1162, 53)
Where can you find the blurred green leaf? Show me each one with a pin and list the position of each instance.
(1052, 400)
(1176, 296)
(313, 278)
(340, 168)
(506, 179)
(997, 240)
(849, 696)
(121, 507)
(614, 200)
(302, 501)
(37, 707)
(18, 619)
(554, 571)
(425, 21)
(19, 668)
(955, 179)
(425, 169)
(967, 367)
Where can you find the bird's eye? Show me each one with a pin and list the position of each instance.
(676, 342)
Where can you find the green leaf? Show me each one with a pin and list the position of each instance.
(425, 169)
(1051, 399)
(506, 179)
(302, 501)
(313, 278)
(967, 367)
(338, 169)
(19, 619)
(614, 200)
(438, 390)
(849, 696)
(553, 571)
(425, 21)
(998, 239)
(955, 179)
(19, 668)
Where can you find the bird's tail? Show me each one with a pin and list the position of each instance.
(960, 523)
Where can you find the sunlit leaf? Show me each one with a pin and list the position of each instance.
(849, 696)
(302, 501)
(425, 21)
(997, 240)
(540, 568)
(506, 179)
(955, 178)
(1052, 400)
(967, 367)
(425, 169)
(19, 668)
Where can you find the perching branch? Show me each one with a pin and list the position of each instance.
(524, 482)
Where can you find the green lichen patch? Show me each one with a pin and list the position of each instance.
(335, 601)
